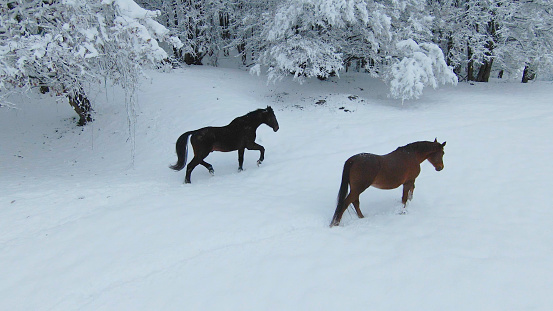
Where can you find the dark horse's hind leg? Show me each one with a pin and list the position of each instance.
(209, 167)
(190, 167)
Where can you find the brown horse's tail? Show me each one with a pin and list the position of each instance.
(340, 206)
(182, 151)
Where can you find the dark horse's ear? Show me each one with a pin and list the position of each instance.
(436, 139)
(269, 108)
(443, 145)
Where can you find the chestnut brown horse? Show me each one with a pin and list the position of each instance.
(399, 167)
(237, 135)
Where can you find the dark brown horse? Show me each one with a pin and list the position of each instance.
(399, 167)
(237, 135)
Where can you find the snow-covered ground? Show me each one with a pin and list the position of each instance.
(82, 228)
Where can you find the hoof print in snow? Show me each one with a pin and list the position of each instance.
(344, 109)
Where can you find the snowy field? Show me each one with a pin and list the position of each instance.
(82, 228)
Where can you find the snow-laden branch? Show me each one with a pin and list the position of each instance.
(421, 65)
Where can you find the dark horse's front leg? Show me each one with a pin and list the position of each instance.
(254, 146)
(241, 158)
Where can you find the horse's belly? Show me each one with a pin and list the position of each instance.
(222, 148)
(388, 180)
(385, 185)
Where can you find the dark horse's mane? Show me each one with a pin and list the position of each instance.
(251, 116)
(421, 147)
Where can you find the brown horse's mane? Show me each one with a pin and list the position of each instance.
(421, 147)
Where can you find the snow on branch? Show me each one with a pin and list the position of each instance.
(419, 65)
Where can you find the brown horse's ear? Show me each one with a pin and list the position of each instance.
(443, 145)
(436, 139)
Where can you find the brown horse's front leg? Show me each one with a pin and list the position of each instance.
(408, 189)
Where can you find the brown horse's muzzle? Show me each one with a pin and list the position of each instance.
(439, 168)
(275, 128)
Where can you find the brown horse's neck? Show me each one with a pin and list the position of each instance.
(421, 149)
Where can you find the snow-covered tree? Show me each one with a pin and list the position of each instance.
(204, 26)
(506, 34)
(64, 46)
(467, 32)
(527, 38)
(319, 38)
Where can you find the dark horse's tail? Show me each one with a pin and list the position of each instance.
(340, 206)
(182, 151)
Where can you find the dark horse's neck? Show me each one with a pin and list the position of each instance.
(422, 149)
(253, 119)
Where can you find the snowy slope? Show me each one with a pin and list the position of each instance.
(82, 228)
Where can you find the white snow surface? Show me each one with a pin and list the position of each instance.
(82, 228)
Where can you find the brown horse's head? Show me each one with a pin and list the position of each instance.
(269, 118)
(436, 157)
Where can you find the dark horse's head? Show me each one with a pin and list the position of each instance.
(436, 157)
(268, 117)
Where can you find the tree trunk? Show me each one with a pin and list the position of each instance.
(242, 51)
(470, 65)
(485, 71)
(528, 74)
(82, 107)
(191, 59)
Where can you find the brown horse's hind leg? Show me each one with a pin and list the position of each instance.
(350, 198)
(357, 209)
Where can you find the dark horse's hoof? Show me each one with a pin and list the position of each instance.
(259, 162)
(212, 172)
